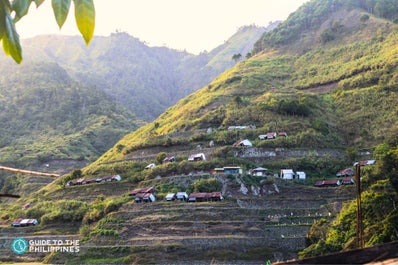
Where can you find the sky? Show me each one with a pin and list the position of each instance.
(191, 25)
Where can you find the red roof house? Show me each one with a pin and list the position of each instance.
(144, 197)
(198, 197)
(347, 181)
(216, 196)
(142, 190)
(327, 183)
(345, 172)
(271, 135)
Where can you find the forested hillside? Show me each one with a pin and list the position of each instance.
(47, 115)
(146, 80)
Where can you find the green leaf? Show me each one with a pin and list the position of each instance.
(38, 2)
(85, 18)
(21, 8)
(11, 44)
(61, 10)
(3, 12)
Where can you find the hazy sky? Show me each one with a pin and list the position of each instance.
(191, 25)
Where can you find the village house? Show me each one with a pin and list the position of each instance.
(24, 222)
(116, 178)
(216, 196)
(79, 181)
(271, 135)
(259, 172)
(300, 175)
(198, 197)
(142, 190)
(327, 183)
(89, 181)
(205, 196)
(345, 172)
(230, 128)
(287, 174)
(169, 159)
(143, 195)
(227, 170)
(365, 162)
(232, 170)
(245, 142)
(150, 166)
(217, 171)
(26, 206)
(109, 178)
(170, 197)
(83, 181)
(182, 196)
(197, 157)
(347, 181)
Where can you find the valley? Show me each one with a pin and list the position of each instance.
(315, 95)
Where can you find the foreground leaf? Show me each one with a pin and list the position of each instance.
(11, 44)
(21, 8)
(3, 12)
(38, 2)
(61, 10)
(85, 18)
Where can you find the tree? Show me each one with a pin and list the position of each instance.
(236, 57)
(160, 157)
(11, 11)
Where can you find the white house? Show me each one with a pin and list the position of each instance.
(197, 157)
(245, 142)
(24, 222)
(287, 174)
(271, 135)
(259, 172)
(182, 196)
(170, 197)
(300, 175)
(152, 165)
(365, 162)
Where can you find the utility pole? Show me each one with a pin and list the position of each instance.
(359, 235)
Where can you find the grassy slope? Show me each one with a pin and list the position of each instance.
(348, 81)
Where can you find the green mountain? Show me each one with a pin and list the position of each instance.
(146, 80)
(327, 76)
(70, 103)
(46, 115)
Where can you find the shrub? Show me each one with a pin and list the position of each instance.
(207, 185)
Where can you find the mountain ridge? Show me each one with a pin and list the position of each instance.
(132, 72)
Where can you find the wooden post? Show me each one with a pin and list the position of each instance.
(359, 234)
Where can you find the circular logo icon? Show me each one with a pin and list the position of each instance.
(19, 246)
